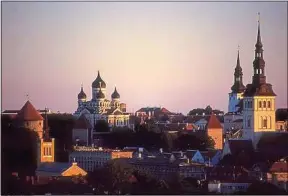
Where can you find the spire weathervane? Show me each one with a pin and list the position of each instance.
(258, 17)
(27, 96)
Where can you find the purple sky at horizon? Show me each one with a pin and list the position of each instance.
(176, 55)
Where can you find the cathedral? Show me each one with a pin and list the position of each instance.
(253, 105)
(101, 108)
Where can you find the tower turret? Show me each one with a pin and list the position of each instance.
(82, 96)
(115, 94)
(96, 85)
(237, 89)
(259, 63)
(238, 86)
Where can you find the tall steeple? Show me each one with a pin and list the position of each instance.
(46, 127)
(259, 63)
(238, 86)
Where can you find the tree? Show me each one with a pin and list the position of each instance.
(189, 141)
(20, 150)
(114, 177)
(102, 126)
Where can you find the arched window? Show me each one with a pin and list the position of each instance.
(265, 123)
(268, 104)
(260, 104)
(264, 104)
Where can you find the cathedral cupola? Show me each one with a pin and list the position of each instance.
(98, 82)
(82, 95)
(238, 86)
(100, 94)
(115, 94)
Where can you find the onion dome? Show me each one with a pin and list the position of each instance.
(98, 82)
(100, 95)
(115, 94)
(82, 95)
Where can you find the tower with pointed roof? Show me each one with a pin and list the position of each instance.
(29, 118)
(115, 103)
(98, 84)
(47, 144)
(259, 99)
(215, 131)
(237, 89)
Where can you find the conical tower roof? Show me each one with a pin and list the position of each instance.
(29, 113)
(214, 123)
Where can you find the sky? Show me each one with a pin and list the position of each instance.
(175, 55)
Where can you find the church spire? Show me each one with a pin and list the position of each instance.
(259, 63)
(46, 127)
(238, 86)
(259, 42)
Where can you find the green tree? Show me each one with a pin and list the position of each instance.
(101, 126)
(189, 141)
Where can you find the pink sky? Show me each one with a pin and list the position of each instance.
(177, 55)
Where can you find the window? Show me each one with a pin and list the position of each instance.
(264, 104)
(248, 122)
(268, 104)
(260, 104)
(265, 123)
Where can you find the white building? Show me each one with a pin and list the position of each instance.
(227, 187)
(90, 158)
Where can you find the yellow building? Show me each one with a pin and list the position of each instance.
(259, 100)
(215, 131)
(62, 171)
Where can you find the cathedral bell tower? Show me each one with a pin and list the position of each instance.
(237, 89)
(259, 99)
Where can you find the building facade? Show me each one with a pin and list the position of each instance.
(90, 158)
(259, 100)
(100, 108)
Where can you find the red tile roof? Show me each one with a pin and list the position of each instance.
(29, 113)
(279, 167)
(214, 123)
